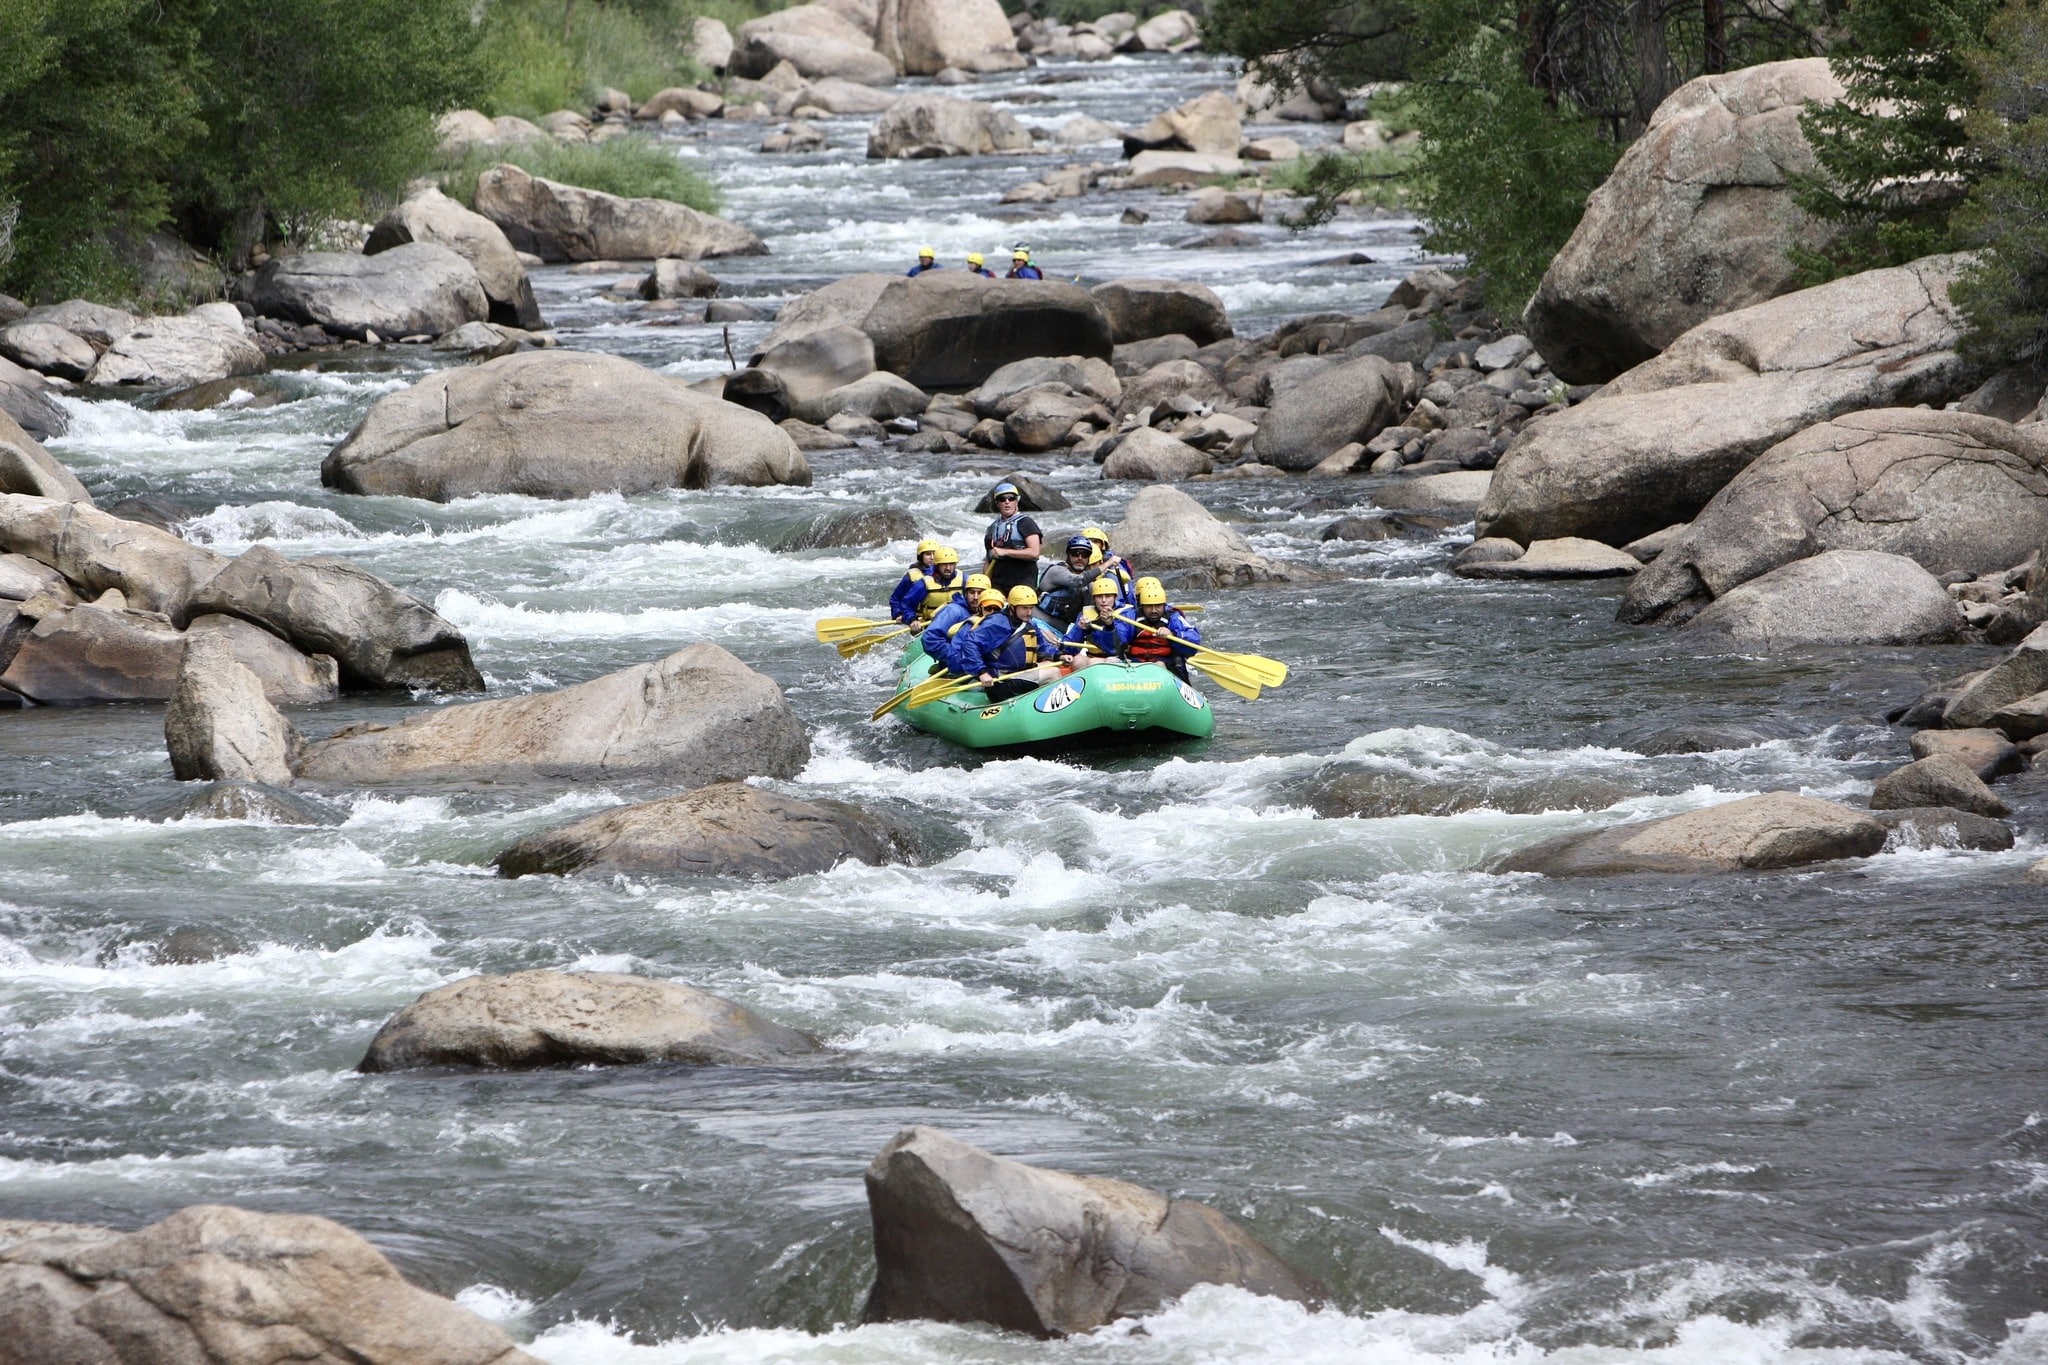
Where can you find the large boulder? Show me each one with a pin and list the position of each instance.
(545, 1018)
(951, 330)
(219, 727)
(46, 348)
(1938, 780)
(1140, 309)
(2021, 675)
(730, 829)
(94, 550)
(962, 1235)
(210, 342)
(814, 39)
(380, 637)
(791, 374)
(1165, 529)
(92, 653)
(696, 717)
(556, 424)
(1777, 829)
(1002, 391)
(925, 37)
(711, 44)
(1210, 124)
(929, 124)
(1656, 445)
(1155, 457)
(1353, 402)
(1838, 597)
(431, 216)
(289, 677)
(558, 222)
(419, 289)
(1696, 220)
(25, 399)
(31, 471)
(1954, 492)
(225, 1286)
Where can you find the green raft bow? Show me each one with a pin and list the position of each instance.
(1110, 702)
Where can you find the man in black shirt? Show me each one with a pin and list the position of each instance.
(1012, 542)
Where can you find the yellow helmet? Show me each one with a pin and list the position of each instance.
(1020, 254)
(1104, 586)
(978, 582)
(991, 599)
(927, 547)
(941, 554)
(1096, 534)
(1151, 593)
(925, 251)
(976, 258)
(1023, 595)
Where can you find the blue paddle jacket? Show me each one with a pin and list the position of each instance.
(999, 645)
(947, 632)
(920, 268)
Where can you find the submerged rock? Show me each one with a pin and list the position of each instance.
(1945, 827)
(1777, 829)
(866, 527)
(1365, 793)
(251, 801)
(965, 1236)
(727, 830)
(696, 717)
(547, 1018)
(226, 1286)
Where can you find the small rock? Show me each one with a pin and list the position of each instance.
(1507, 353)
(547, 1018)
(1777, 829)
(1565, 557)
(1490, 550)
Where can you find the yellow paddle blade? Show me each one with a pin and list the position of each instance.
(833, 629)
(861, 644)
(1268, 672)
(929, 690)
(1226, 677)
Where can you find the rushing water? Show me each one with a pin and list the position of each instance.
(1785, 1117)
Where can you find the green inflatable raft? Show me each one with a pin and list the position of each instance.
(1111, 702)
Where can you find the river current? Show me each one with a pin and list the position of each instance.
(1783, 1117)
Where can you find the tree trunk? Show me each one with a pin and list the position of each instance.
(1715, 24)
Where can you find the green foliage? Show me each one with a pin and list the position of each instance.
(1382, 177)
(556, 54)
(2004, 293)
(1505, 170)
(1346, 42)
(1894, 157)
(635, 167)
(224, 117)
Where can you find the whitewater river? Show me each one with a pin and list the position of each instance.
(1791, 1117)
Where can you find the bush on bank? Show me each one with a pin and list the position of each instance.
(632, 167)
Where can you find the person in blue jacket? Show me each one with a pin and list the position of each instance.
(977, 264)
(955, 621)
(1139, 639)
(1009, 643)
(1115, 565)
(1021, 267)
(1094, 633)
(930, 584)
(927, 259)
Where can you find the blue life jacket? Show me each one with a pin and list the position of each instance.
(1026, 272)
(920, 268)
(999, 645)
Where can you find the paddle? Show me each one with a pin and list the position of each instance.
(833, 629)
(1255, 667)
(938, 689)
(861, 644)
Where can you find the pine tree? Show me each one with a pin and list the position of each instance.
(2004, 293)
(1895, 158)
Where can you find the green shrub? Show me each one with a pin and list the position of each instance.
(1382, 177)
(635, 167)
(556, 54)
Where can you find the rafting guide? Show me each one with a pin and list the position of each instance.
(1087, 649)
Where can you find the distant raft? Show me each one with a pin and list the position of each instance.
(1111, 702)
